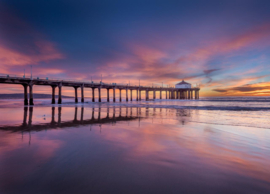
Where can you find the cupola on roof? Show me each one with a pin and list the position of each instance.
(182, 82)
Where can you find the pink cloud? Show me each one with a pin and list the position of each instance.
(46, 52)
(156, 63)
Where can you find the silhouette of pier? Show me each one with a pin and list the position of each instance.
(29, 83)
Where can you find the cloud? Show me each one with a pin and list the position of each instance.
(220, 90)
(154, 63)
(208, 72)
(262, 87)
(45, 51)
(21, 44)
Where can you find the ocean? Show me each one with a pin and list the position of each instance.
(211, 145)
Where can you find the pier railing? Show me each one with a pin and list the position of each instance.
(12, 76)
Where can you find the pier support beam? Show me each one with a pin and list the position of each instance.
(93, 94)
(137, 95)
(146, 94)
(154, 94)
(82, 93)
(130, 95)
(140, 95)
(108, 95)
(160, 94)
(31, 101)
(76, 94)
(25, 95)
(166, 94)
(126, 94)
(60, 94)
(120, 95)
(191, 94)
(53, 94)
(113, 94)
(99, 94)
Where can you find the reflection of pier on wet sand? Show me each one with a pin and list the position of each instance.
(28, 126)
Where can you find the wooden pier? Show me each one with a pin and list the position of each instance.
(29, 83)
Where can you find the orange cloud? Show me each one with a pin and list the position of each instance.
(258, 89)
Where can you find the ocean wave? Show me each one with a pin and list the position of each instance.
(234, 100)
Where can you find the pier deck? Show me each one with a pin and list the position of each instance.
(28, 83)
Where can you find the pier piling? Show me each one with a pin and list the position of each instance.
(53, 94)
(82, 93)
(31, 101)
(76, 94)
(93, 94)
(59, 94)
(25, 95)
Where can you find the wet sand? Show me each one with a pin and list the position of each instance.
(125, 149)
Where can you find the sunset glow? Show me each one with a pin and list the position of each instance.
(222, 46)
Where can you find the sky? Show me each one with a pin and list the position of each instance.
(223, 46)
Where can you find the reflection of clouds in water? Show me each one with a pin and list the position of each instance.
(209, 129)
(74, 142)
